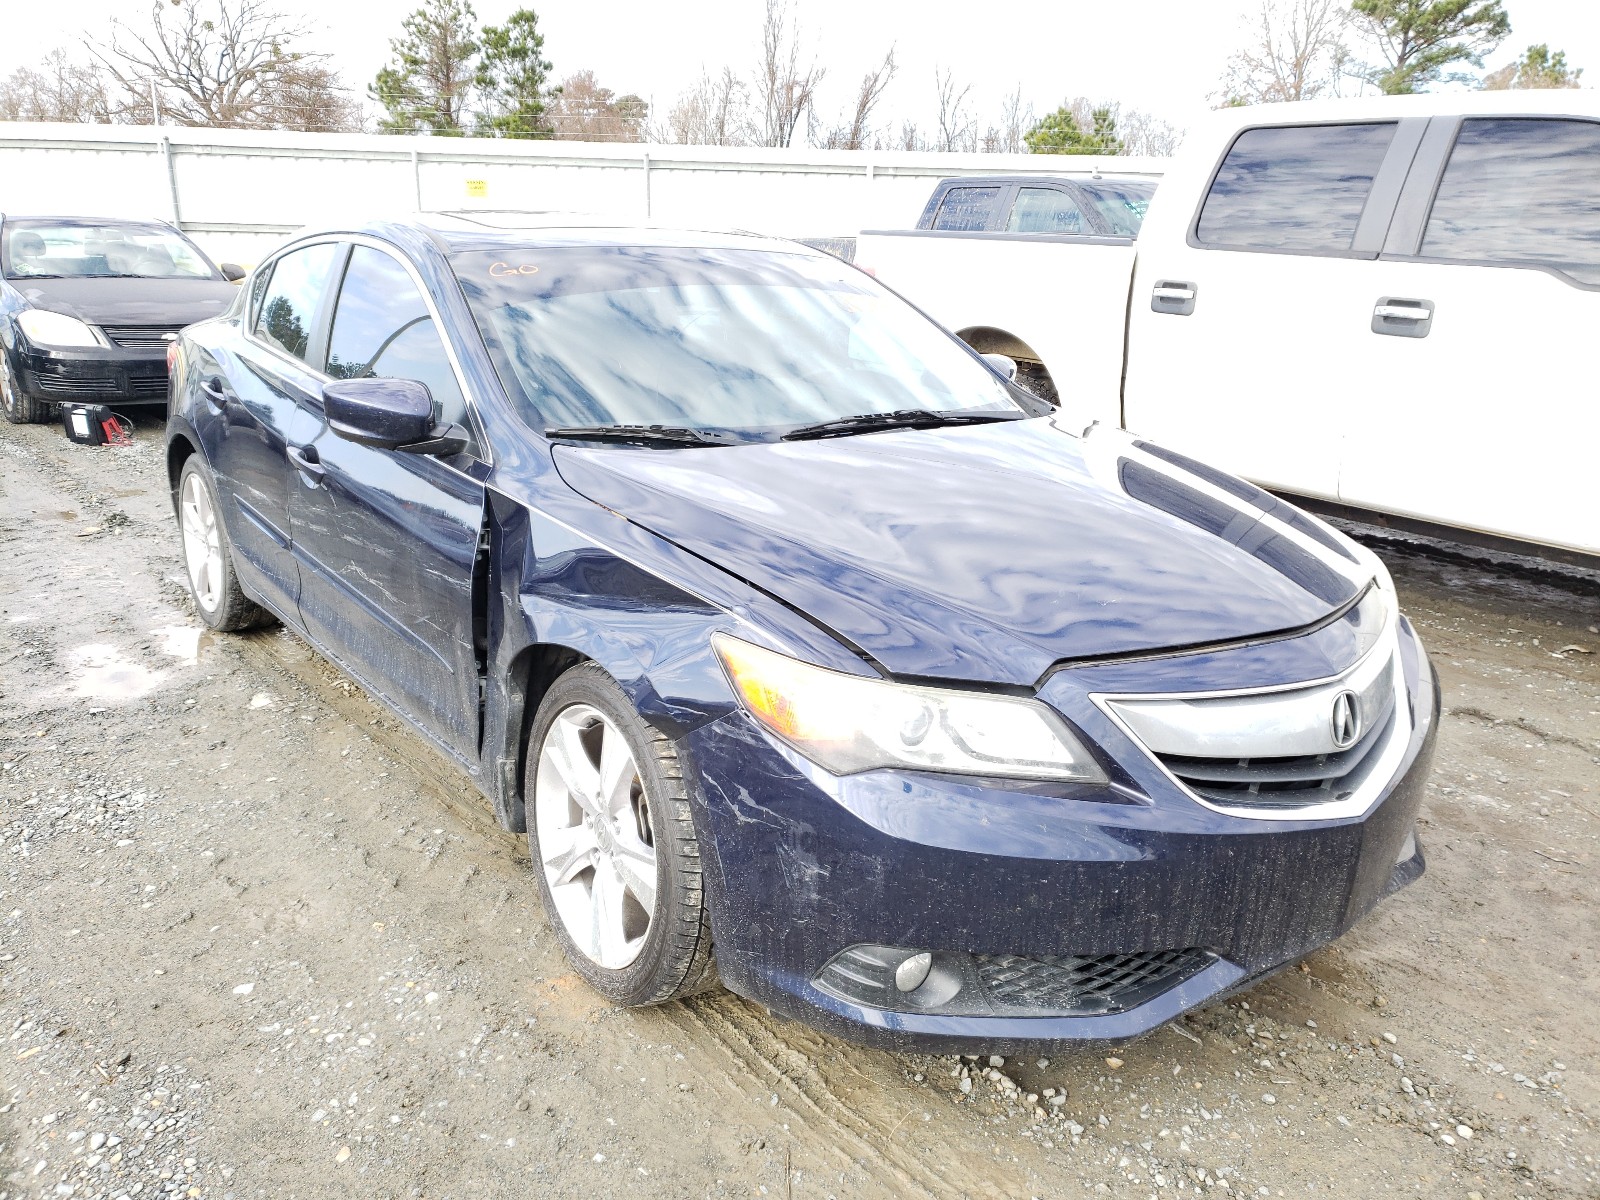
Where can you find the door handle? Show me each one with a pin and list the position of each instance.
(1401, 316)
(1173, 296)
(308, 462)
(215, 393)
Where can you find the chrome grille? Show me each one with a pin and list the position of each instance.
(141, 337)
(1277, 752)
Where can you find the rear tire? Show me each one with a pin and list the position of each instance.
(20, 408)
(208, 556)
(607, 809)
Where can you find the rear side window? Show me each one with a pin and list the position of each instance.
(1045, 210)
(382, 329)
(288, 307)
(965, 209)
(1521, 190)
(1299, 188)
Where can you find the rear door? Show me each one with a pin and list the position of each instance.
(1481, 412)
(1246, 336)
(387, 541)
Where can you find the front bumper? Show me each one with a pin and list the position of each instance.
(94, 374)
(807, 865)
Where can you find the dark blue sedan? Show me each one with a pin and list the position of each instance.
(810, 652)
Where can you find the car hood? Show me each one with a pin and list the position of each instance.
(984, 553)
(130, 301)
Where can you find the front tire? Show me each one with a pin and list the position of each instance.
(19, 407)
(208, 556)
(613, 844)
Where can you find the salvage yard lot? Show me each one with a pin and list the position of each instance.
(256, 939)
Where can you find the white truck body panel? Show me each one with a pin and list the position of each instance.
(1486, 424)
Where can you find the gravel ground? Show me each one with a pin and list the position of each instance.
(256, 940)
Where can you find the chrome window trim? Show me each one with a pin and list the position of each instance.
(1378, 773)
(481, 452)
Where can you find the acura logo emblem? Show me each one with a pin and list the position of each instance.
(1346, 720)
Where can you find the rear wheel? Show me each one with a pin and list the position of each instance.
(20, 408)
(613, 844)
(208, 556)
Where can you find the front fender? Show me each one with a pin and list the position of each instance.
(574, 580)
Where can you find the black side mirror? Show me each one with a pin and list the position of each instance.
(391, 414)
(232, 272)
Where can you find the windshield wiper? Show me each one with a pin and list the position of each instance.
(900, 418)
(660, 435)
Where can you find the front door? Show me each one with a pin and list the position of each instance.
(254, 401)
(1244, 329)
(388, 541)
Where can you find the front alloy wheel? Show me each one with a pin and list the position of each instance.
(612, 838)
(595, 843)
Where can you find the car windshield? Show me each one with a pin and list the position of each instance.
(1122, 202)
(90, 250)
(751, 343)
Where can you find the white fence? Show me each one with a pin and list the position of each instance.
(238, 192)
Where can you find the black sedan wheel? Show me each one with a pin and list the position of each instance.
(20, 409)
(613, 844)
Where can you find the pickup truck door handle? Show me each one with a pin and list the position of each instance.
(1401, 316)
(308, 462)
(1173, 296)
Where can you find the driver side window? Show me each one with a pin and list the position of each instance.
(382, 330)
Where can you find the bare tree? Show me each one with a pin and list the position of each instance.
(787, 92)
(715, 112)
(910, 138)
(311, 98)
(61, 90)
(1143, 134)
(582, 110)
(957, 130)
(1015, 121)
(225, 64)
(1296, 51)
(855, 128)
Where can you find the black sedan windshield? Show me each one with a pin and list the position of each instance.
(750, 342)
(68, 249)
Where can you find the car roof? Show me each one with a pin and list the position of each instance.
(64, 219)
(1551, 102)
(464, 232)
(1078, 177)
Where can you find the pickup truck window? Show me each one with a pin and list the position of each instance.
(1294, 187)
(1122, 203)
(1045, 210)
(1521, 190)
(965, 209)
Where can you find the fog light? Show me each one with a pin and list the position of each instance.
(911, 974)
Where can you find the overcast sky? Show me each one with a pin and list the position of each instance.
(1162, 56)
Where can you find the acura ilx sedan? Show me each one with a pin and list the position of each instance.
(812, 654)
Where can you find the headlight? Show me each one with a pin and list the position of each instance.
(55, 329)
(847, 724)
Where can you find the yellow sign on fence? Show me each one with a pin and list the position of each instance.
(477, 189)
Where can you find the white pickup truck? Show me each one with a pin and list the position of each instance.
(1381, 307)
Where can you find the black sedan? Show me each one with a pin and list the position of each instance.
(88, 307)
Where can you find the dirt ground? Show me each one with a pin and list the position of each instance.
(256, 940)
